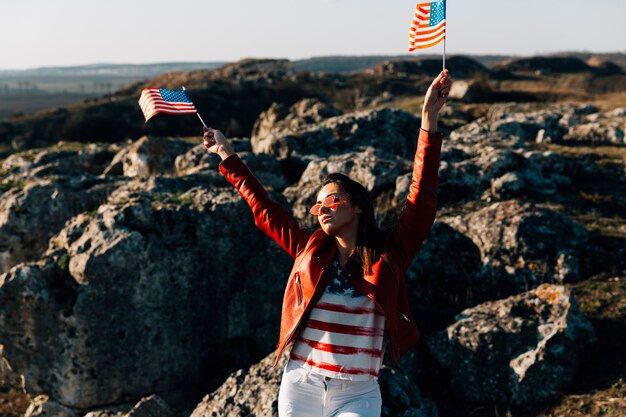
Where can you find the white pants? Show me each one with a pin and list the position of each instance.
(307, 394)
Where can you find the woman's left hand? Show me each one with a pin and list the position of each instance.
(436, 97)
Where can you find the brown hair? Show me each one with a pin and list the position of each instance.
(369, 236)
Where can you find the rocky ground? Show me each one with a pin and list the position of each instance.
(134, 282)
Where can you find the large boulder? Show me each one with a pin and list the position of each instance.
(151, 277)
(278, 117)
(62, 159)
(33, 210)
(599, 129)
(519, 350)
(441, 280)
(529, 241)
(148, 156)
(374, 172)
(391, 131)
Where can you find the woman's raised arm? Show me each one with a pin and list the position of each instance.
(418, 214)
(269, 216)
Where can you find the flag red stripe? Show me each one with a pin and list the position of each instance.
(426, 32)
(164, 105)
(344, 328)
(424, 46)
(151, 103)
(420, 39)
(333, 368)
(157, 98)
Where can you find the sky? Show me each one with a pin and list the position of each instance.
(44, 33)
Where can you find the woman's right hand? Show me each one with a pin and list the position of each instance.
(215, 142)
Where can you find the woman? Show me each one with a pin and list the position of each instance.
(346, 291)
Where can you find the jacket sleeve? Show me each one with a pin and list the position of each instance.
(269, 216)
(418, 214)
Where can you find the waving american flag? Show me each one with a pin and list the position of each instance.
(161, 100)
(428, 27)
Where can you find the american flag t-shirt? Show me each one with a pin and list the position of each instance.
(344, 335)
(428, 27)
(161, 100)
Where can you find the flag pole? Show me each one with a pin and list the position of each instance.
(198, 114)
(444, 52)
(445, 34)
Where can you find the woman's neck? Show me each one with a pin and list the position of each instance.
(345, 245)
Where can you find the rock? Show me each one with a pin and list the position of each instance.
(63, 159)
(519, 350)
(373, 172)
(261, 71)
(397, 130)
(462, 67)
(609, 132)
(278, 117)
(604, 67)
(527, 241)
(267, 169)
(441, 280)
(195, 160)
(403, 398)
(246, 392)
(471, 91)
(148, 156)
(507, 186)
(546, 65)
(152, 406)
(34, 210)
(9, 379)
(42, 406)
(255, 392)
(137, 284)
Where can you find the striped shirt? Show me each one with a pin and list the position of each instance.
(344, 335)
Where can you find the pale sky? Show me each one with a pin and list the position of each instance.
(42, 33)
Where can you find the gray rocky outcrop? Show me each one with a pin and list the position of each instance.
(565, 123)
(255, 392)
(497, 251)
(148, 156)
(9, 379)
(518, 350)
(158, 261)
(279, 117)
(143, 280)
(286, 134)
(516, 236)
(33, 210)
(43, 188)
(62, 159)
(376, 173)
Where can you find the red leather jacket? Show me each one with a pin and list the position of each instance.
(313, 253)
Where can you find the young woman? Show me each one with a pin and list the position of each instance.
(346, 292)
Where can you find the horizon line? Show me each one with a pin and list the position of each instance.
(223, 62)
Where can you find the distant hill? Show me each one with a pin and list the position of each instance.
(125, 70)
(26, 91)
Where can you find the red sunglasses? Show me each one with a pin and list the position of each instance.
(332, 201)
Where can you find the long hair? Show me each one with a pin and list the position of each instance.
(369, 236)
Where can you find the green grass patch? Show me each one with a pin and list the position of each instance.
(10, 184)
(64, 261)
(177, 199)
(602, 297)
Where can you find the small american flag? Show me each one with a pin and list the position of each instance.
(161, 100)
(428, 27)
